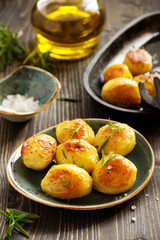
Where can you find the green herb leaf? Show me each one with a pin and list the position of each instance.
(64, 153)
(69, 99)
(72, 130)
(39, 59)
(10, 46)
(105, 142)
(103, 156)
(113, 125)
(14, 216)
(65, 184)
(107, 160)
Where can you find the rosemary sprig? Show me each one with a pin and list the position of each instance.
(10, 46)
(104, 162)
(113, 125)
(69, 99)
(105, 142)
(13, 216)
(39, 59)
(72, 130)
(64, 154)
(65, 184)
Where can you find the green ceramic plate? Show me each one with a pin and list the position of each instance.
(27, 182)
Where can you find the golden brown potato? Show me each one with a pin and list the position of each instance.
(121, 139)
(148, 80)
(79, 152)
(117, 71)
(74, 129)
(67, 181)
(118, 175)
(139, 61)
(122, 92)
(38, 151)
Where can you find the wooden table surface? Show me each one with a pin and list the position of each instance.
(112, 223)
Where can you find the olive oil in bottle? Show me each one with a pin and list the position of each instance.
(69, 29)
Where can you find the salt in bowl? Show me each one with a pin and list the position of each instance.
(33, 82)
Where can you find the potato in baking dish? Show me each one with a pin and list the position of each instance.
(79, 152)
(116, 176)
(38, 151)
(67, 181)
(122, 92)
(74, 129)
(139, 61)
(118, 138)
(117, 71)
(148, 80)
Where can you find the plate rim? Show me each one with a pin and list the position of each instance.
(97, 57)
(78, 207)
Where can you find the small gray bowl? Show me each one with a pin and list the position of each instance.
(33, 82)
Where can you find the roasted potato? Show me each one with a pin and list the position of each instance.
(117, 71)
(139, 61)
(148, 80)
(122, 92)
(74, 129)
(38, 151)
(118, 175)
(119, 137)
(67, 181)
(79, 152)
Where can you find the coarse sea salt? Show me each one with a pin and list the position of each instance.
(19, 103)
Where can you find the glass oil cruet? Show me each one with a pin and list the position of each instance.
(69, 29)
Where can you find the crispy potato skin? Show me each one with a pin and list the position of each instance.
(79, 152)
(122, 92)
(85, 131)
(148, 80)
(80, 182)
(38, 151)
(118, 175)
(121, 141)
(139, 61)
(117, 71)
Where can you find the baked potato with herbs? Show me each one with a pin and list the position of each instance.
(67, 181)
(122, 92)
(74, 129)
(118, 138)
(79, 152)
(139, 61)
(114, 174)
(38, 151)
(117, 71)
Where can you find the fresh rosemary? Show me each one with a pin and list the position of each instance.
(64, 154)
(107, 160)
(113, 125)
(65, 184)
(69, 99)
(10, 46)
(39, 59)
(13, 216)
(72, 130)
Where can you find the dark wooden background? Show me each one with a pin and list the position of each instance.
(113, 223)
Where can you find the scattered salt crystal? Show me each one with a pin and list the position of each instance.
(147, 195)
(19, 103)
(157, 198)
(133, 219)
(133, 207)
